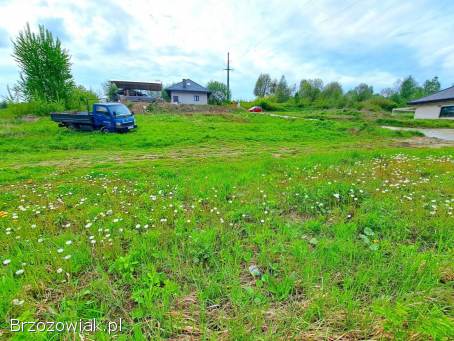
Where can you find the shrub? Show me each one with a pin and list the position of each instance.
(3, 104)
(80, 97)
(327, 103)
(37, 108)
(265, 104)
(380, 103)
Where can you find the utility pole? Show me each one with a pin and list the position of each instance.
(228, 74)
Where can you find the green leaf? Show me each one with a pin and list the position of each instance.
(364, 238)
(374, 247)
(313, 241)
(368, 232)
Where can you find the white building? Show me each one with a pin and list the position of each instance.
(188, 92)
(437, 106)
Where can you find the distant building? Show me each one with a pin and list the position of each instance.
(188, 92)
(137, 91)
(438, 105)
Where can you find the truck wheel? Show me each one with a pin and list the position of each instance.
(104, 130)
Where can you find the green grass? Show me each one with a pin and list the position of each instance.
(352, 235)
(412, 123)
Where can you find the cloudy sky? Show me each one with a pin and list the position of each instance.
(351, 41)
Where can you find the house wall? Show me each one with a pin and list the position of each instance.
(188, 97)
(432, 110)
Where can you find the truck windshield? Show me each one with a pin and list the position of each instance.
(120, 110)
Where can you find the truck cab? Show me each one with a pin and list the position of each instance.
(113, 117)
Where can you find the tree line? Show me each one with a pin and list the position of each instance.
(313, 92)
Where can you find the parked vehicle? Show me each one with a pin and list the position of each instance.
(256, 109)
(107, 117)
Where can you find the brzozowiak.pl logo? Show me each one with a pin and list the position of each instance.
(80, 326)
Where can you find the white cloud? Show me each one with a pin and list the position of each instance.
(350, 41)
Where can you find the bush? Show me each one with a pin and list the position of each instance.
(37, 108)
(378, 103)
(79, 97)
(3, 105)
(266, 105)
(329, 103)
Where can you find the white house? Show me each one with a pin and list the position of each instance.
(188, 92)
(439, 105)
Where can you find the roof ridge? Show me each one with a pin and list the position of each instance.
(436, 97)
(193, 86)
(452, 86)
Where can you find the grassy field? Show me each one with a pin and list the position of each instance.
(232, 226)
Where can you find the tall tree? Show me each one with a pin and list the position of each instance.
(409, 88)
(362, 92)
(431, 86)
(111, 91)
(310, 89)
(263, 85)
(273, 86)
(283, 91)
(219, 92)
(164, 94)
(333, 91)
(45, 67)
(387, 92)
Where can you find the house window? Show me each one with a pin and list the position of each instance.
(447, 111)
(196, 98)
(175, 99)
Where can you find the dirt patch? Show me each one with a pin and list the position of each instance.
(29, 118)
(160, 107)
(423, 142)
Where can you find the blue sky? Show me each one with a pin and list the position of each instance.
(351, 41)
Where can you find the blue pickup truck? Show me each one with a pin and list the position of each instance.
(106, 117)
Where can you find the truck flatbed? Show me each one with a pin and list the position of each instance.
(81, 117)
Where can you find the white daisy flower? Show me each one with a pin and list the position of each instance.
(17, 301)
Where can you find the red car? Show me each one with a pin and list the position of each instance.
(256, 109)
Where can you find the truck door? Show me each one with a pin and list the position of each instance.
(102, 117)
